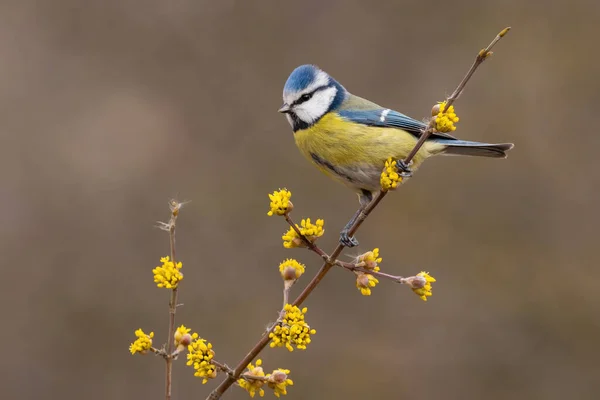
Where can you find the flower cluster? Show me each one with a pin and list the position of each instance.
(292, 330)
(369, 260)
(143, 343)
(309, 230)
(364, 283)
(424, 291)
(168, 274)
(390, 178)
(291, 269)
(183, 338)
(279, 381)
(200, 355)
(444, 119)
(253, 385)
(280, 202)
(254, 379)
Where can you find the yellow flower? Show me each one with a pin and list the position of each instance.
(200, 355)
(390, 179)
(291, 269)
(292, 330)
(364, 283)
(423, 290)
(279, 381)
(253, 385)
(168, 274)
(369, 260)
(280, 202)
(309, 230)
(183, 338)
(142, 344)
(445, 120)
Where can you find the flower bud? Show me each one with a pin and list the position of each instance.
(291, 270)
(415, 282)
(435, 110)
(362, 281)
(278, 376)
(289, 274)
(186, 340)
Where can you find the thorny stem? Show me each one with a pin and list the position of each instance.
(331, 260)
(172, 302)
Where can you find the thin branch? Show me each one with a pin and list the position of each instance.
(175, 206)
(286, 296)
(250, 377)
(378, 274)
(481, 57)
(331, 260)
(223, 367)
(312, 246)
(338, 250)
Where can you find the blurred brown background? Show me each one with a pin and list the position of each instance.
(109, 108)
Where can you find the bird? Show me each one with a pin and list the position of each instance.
(350, 138)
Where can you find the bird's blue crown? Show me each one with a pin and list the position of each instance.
(301, 78)
(310, 76)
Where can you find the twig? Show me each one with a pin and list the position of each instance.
(481, 57)
(286, 295)
(353, 267)
(250, 377)
(222, 367)
(175, 206)
(331, 260)
(312, 246)
(264, 340)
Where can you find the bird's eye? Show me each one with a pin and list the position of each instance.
(305, 97)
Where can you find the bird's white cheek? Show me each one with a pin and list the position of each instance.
(317, 106)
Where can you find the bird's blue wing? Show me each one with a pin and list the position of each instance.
(386, 118)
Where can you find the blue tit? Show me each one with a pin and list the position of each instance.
(350, 138)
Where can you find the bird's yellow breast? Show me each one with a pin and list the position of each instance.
(343, 143)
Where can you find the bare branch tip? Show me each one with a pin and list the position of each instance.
(504, 31)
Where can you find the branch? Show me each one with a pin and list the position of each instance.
(378, 274)
(481, 57)
(174, 206)
(331, 260)
(312, 246)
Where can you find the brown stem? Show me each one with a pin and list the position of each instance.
(330, 261)
(262, 343)
(307, 242)
(172, 306)
(353, 267)
(481, 57)
(222, 367)
(286, 295)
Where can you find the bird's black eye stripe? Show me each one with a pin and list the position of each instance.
(308, 96)
(305, 97)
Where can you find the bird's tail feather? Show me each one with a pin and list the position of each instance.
(466, 148)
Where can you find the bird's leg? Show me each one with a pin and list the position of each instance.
(345, 238)
(364, 197)
(404, 169)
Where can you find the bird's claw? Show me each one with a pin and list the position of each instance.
(404, 169)
(347, 240)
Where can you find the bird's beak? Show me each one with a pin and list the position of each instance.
(284, 109)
